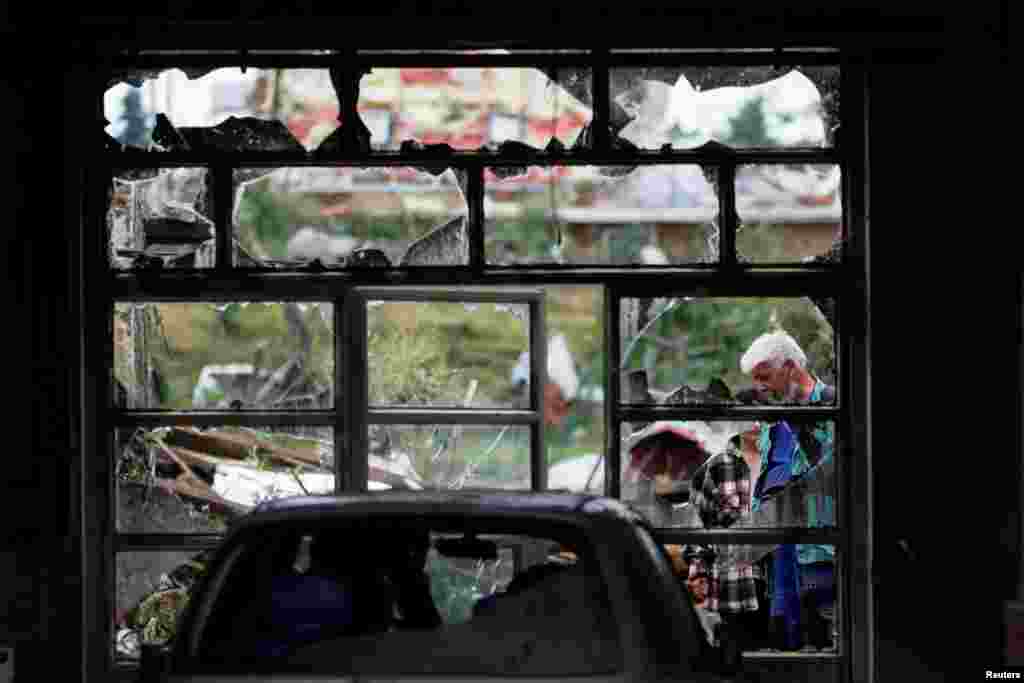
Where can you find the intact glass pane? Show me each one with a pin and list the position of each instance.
(241, 355)
(789, 213)
(728, 350)
(786, 596)
(255, 110)
(291, 216)
(196, 480)
(600, 215)
(447, 354)
(469, 108)
(747, 106)
(450, 457)
(160, 217)
(782, 473)
(153, 589)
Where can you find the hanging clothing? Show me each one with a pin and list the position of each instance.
(785, 600)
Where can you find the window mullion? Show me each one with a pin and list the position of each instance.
(538, 381)
(613, 385)
(223, 201)
(475, 223)
(354, 470)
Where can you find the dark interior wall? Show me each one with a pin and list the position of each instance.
(943, 465)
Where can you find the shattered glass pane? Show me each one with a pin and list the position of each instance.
(788, 213)
(289, 217)
(452, 457)
(258, 110)
(191, 480)
(440, 354)
(791, 591)
(597, 215)
(728, 350)
(197, 356)
(470, 108)
(749, 106)
(160, 218)
(789, 467)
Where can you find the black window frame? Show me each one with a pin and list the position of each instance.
(847, 282)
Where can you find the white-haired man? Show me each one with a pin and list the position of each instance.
(790, 453)
(778, 367)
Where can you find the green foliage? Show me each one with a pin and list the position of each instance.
(409, 366)
(267, 220)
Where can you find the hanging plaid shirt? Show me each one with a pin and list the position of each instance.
(721, 493)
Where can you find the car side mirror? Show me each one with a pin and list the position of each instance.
(155, 664)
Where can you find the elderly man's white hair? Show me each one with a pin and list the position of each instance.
(774, 347)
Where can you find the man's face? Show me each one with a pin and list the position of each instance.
(771, 380)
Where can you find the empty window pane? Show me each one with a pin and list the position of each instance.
(718, 474)
(196, 356)
(192, 480)
(447, 354)
(291, 216)
(781, 598)
(747, 106)
(789, 213)
(722, 350)
(596, 215)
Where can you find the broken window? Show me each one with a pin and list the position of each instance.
(683, 350)
(786, 471)
(746, 106)
(597, 215)
(451, 457)
(788, 213)
(293, 216)
(470, 108)
(231, 355)
(476, 233)
(160, 217)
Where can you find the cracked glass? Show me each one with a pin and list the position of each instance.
(600, 215)
(452, 456)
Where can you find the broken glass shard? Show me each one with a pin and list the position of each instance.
(788, 213)
(242, 135)
(655, 215)
(160, 218)
(291, 216)
(752, 106)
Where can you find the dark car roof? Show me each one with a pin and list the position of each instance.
(567, 507)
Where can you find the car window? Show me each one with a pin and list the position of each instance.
(414, 601)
